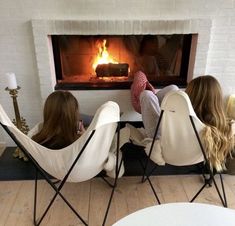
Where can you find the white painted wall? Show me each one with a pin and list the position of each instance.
(17, 51)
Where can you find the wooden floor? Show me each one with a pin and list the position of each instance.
(90, 199)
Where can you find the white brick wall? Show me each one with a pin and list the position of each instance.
(17, 51)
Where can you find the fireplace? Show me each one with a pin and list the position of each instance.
(90, 100)
(110, 61)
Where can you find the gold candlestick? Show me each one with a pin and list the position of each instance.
(19, 121)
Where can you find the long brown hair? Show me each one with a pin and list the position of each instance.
(60, 121)
(206, 96)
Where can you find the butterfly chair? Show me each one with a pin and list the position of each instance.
(230, 108)
(80, 161)
(179, 142)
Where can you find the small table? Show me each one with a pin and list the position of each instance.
(180, 214)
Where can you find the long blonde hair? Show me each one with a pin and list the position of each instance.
(60, 121)
(206, 96)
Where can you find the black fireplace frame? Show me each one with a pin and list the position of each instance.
(186, 70)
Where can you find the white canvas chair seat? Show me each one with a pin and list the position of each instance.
(179, 143)
(88, 154)
(230, 108)
(58, 162)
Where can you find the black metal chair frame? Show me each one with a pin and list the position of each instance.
(207, 181)
(58, 188)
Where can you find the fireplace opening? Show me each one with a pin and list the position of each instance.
(110, 61)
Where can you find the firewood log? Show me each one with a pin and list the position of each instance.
(107, 70)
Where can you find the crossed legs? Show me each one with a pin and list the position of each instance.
(151, 108)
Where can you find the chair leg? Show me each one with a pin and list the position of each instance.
(108, 207)
(195, 196)
(146, 177)
(145, 169)
(68, 204)
(223, 189)
(107, 182)
(57, 192)
(35, 197)
(154, 192)
(223, 199)
(112, 193)
(208, 182)
(47, 209)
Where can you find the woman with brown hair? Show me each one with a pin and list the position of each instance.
(218, 136)
(60, 121)
(62, 126)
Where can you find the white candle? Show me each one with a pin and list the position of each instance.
(11, 81)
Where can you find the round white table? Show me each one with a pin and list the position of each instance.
(180, 214)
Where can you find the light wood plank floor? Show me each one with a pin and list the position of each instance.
(90, 198)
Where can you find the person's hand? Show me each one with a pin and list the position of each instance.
(81, 128)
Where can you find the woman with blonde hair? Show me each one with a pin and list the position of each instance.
(218, 136)
(60, 121)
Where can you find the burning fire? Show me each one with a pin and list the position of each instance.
(103, 55)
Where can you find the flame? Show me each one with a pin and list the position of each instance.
(103, 55)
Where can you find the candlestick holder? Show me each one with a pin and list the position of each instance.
(19, 121)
